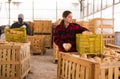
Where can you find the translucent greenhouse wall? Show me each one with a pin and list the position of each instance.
(36, 9)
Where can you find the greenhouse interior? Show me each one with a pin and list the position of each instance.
(59, 39)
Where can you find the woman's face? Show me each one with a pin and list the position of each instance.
(68, 18)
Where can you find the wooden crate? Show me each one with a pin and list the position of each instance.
(47, 26)
(42, 26)
(48, 40)
(102, 21)
(37, 26)
(112, 47)
(73, 20)
(102, 25)
(37, 44)
(55, 52)
(109, 39)
(56, 23)
(14, 60)
(73, 67)
(84, 24)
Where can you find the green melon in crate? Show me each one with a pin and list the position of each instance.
(89, 44)
(16, 34)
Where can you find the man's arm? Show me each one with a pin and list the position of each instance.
(29, 32)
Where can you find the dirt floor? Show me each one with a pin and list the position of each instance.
(42, 67)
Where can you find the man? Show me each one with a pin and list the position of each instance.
(21, 23)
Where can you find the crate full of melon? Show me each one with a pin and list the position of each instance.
(89, 66)
(89, 43)
(15, 34)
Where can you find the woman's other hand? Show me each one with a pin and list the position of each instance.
(87, 32)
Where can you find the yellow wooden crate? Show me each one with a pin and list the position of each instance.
(14, 60)
(73, 67)
(89, 44)
(16, 34)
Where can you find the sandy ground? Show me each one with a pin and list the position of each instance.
(42, 67)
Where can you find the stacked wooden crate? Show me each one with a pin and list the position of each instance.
(57, 22)
(84, 24)
(103, 26)
(73, 20)
(14, 60)
(73, 67)
(37, 44)
(44, 27)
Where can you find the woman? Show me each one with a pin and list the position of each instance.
(65, 33)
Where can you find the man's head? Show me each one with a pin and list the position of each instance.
(20, 18)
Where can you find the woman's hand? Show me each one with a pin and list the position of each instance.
(87, 32)
(67, 46)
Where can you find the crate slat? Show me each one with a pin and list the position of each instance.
(116, 72)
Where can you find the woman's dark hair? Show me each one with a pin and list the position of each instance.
(66, 13)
